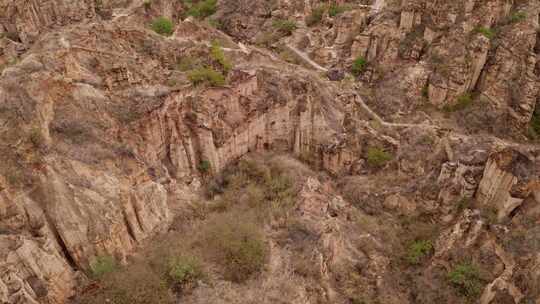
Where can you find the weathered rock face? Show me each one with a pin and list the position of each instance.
(103, 149)
(483, 49)
(509, 178)
(104, 137)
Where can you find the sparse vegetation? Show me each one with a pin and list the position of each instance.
(466, 278)
(287, 27)
(216, 53)
(237, 246)
(377, 157)
(163, 26)
(316, 16)
(136, 284)
(147, 3)
(103, 265)
(358, 66)
(463, 101)
(336, 9)
(206, 75)
(185, 270)
(418, 250)
(487, 32)
(201, 9)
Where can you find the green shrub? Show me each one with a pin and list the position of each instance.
(377, 157)
(336, 9)
(487, 32)
(147, 3)
(163, 26)
(103, 265)
(216, 53)
(206, 75)
(463, 101)
(418, 250)
(358, 66)
(466, 278)
(185, 270)
(237, 246)
(201, 9)
(205, 166)
(287, 27)
(316, 16)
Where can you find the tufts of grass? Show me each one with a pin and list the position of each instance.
(206, 75)
(487, 32)
(418, 250)
(201, 9)
(286, 27)
(162, 26)
(465, 277)
(358, 66)
(377, 157)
